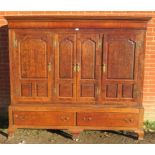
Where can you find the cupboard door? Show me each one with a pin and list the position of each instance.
(119, 71)
(65, 73)
(88, 67)
(32, 65)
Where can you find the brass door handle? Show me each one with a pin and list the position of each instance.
(104, 68)
(74, 68)
(49, 66)
(78, 67)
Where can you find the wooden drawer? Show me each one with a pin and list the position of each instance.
(107, 119)
(45, 118)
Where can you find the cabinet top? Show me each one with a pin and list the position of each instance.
(77, 18)
(77, 21)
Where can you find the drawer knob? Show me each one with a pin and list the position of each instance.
(87, 118)
(65, 118)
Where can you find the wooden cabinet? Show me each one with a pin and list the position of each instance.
(76, 73)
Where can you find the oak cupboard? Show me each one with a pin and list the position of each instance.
(76, 73)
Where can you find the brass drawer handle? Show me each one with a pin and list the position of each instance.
(64, 118)
(87, 118)
(20, 117)
(128, 120)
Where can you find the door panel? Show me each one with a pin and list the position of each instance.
(33, 80)
(65, 58)
(88, 52)
(120, 58)
(119, 75)
(33, 58)
(88, 66)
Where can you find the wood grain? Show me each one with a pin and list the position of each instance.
(76, 73)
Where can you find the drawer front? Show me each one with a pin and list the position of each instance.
(47, 118)
(107, 119)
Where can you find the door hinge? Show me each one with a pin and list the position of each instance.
(139, 44)
(97, 91)
(17, 91)
(100, 44)
(138, 93)
(15, 43)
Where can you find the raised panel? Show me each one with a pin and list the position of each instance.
(42, 89)
(33, 58)
(66, 90)
(87, 90)
(66, 48)
(120, 59)
(88, 59)
(26, 89)
(127, 90)
(111, 90)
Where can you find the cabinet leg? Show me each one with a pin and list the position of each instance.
(140, 134)
(75, 134)
(11, 132)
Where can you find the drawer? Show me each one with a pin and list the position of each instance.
(45, 118)
(100, 119)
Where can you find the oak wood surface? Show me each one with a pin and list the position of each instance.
(77, 73)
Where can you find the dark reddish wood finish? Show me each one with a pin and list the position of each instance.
(77, 73)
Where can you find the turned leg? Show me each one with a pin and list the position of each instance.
(140, 134)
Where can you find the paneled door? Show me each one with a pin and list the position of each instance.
(65, 67)
(119, 67)
(32, 65)
(88, 67)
